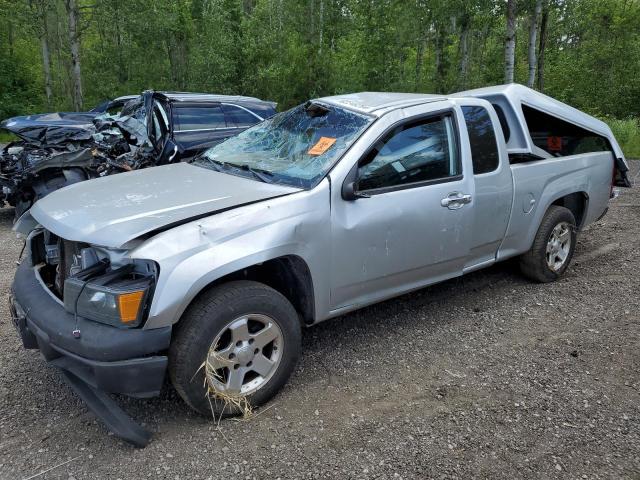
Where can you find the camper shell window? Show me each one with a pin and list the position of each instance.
(560, 138)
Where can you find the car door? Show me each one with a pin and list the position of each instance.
(409, 226)
(199, 126)
(492, 180)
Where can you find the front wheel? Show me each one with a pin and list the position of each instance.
(552, 247)
(235, 347)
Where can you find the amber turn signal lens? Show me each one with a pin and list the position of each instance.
(129, 304)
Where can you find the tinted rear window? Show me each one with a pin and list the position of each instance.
(238, 117)
(482, 138)
(560, 138)
(199, 118)
(506, 131)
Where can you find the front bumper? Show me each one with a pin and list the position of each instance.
(112, 360)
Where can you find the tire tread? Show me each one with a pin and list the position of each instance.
(533, 263)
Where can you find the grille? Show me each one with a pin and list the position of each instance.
(58, 257)
(68, 261)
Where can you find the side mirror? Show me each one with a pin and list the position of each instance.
(350, 192)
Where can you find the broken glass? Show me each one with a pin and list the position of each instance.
(296, 147)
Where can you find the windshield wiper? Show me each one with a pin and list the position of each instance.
(219, 166)
(262, 175)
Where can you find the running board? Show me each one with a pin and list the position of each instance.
(108, 411)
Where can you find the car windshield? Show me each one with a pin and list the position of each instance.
(296, 147)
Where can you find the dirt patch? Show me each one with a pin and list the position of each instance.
(485, 376)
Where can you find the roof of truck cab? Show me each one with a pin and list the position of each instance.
(378, 103)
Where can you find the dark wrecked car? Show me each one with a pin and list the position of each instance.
(59, 119)
(155, 128)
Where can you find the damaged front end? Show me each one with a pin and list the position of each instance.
(56, 150)
(94, 283)
(84, 308)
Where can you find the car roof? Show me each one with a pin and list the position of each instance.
(378, 103)
(125, 97)
(206, 97)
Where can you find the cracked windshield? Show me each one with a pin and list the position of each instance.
(296, 147)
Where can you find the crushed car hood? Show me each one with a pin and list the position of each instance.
(52, 128)
(112, 211)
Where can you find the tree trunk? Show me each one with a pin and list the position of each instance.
(247, 7)
(74, 45)
(533, 31)
(441, 60)
(10, 39)
(321, 26)
(419, 61)
(542, 45)
(510, 42)
(178, 59)
(46, 59)
(464, 53)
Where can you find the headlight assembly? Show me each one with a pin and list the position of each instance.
(117, 298)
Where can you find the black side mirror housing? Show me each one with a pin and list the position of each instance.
(350, 192)
(350, 186)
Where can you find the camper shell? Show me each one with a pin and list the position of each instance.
(536, 126)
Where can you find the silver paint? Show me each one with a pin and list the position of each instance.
(112, 210)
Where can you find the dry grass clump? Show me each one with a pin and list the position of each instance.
(225, 403)
(235, 403)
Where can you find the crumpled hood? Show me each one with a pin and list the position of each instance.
(113, 210)
(52, 128)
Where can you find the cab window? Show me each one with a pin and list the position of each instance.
(416, 152)
(482, 139)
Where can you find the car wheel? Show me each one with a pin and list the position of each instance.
(235, 346)
(552, 247)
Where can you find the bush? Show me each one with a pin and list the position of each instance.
(627, 132)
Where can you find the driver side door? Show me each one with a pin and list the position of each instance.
(408, 227)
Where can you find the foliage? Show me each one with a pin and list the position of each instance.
(627, 132)
(290, 50)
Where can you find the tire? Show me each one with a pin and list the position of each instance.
(218, 315)
(535, 264)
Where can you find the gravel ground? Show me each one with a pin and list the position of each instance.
(487, 376)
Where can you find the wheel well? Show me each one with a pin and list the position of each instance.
(577, 203)
(288, 275)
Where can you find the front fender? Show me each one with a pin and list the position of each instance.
(193, 255)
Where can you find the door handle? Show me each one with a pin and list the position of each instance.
(455, 200)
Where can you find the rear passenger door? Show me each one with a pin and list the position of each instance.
(199, 126)
(493, 183)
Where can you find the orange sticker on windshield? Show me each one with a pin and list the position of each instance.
(322, 146)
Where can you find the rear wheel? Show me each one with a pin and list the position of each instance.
(235, 346)
(552, 247)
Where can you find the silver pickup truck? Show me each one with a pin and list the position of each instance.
(208, 271)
